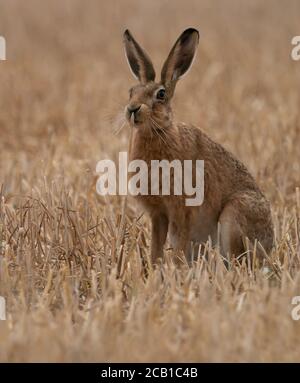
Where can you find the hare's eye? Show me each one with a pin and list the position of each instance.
(160, 95)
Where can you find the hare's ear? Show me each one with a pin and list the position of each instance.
(138, 60)
(180, 58)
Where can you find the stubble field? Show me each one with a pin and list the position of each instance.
(76, 283)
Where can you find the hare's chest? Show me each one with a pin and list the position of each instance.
(158, 204)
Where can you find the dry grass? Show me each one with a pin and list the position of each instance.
(72, 293)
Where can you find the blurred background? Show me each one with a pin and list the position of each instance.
(63, 89)
(65, 81)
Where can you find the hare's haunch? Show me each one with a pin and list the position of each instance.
(234, 210)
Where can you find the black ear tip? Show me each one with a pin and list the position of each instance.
(189, 32)
(127, 34)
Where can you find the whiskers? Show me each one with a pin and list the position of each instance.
(118, 129)
(159, 132)
(118, 123)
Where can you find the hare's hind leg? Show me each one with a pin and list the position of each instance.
(247, 215)
(230, 233)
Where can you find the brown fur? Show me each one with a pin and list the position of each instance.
(232, 200)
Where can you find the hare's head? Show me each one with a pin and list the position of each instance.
(149, 102)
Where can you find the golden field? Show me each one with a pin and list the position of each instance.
(77, 285)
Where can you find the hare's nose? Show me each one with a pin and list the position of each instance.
(133, 109)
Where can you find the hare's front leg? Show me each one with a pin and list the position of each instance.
(179, 233)
(160, 225)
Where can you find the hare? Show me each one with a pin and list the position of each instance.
(234, 212)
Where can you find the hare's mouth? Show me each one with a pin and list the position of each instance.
(134, 118)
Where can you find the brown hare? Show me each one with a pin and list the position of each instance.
(234, 209)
